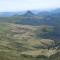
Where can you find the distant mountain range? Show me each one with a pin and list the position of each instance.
(31, 13)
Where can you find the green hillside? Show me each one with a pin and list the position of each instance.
(20, 42)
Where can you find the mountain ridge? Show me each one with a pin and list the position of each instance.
(33, 12)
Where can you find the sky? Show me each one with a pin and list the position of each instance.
(21, 5)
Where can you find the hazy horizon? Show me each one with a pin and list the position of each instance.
(23, 5)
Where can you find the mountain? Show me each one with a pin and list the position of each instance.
(56, 10)
(9, 14)
(6, 14)
(29, 13)
(30, 36)
(43, 13)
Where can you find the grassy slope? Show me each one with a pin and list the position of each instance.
(17, 39)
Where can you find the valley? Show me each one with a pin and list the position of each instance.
(30, 36)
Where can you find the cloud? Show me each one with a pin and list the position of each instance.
(18, 5)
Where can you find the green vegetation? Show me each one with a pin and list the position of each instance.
(30, 37)
(20, 42)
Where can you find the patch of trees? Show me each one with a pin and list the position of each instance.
(48, 32)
